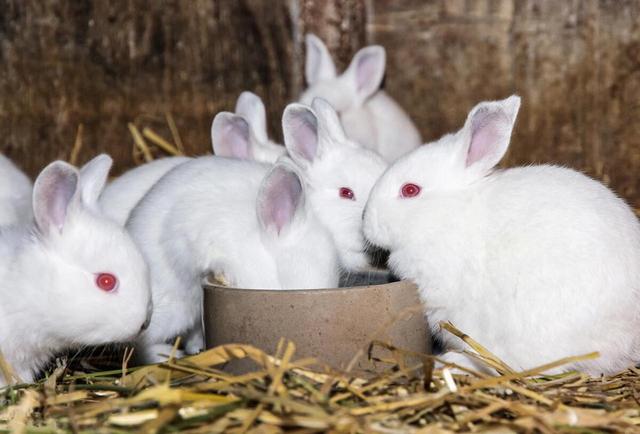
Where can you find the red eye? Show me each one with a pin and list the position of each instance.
(106, 281)
(346, 193)
(410, 190)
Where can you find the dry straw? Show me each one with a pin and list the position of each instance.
(283, 393)
(158, 145)
(302, 395)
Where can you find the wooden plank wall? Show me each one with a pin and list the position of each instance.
(575, 63)
(103, 64)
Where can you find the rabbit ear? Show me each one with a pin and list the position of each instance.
(487, 133)
(250, 107)
(53, 193)
(366, 71)
(300, 130)
(279, 198)
(93, 177)
(328, 118)
(231, 136)
(318, 65)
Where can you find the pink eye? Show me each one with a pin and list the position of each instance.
(106, 281)
(410, 190)
(346, 193)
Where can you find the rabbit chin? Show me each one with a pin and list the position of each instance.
(97, 336)
(112, 323)
(374, 232)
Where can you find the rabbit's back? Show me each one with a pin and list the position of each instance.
(214, 194)
(15, 194)
(558, 215)
(547, 239)
(200, 213)
(122, 194)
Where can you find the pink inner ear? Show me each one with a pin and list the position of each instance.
(366, 71)
(282, 193)
(59, 201)
(234, 140)
(52, 196)
(369, 64)
(282, 210)
(486, 135)
(304, 132)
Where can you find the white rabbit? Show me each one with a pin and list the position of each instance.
(15, 194)
(339, 174)
(250, 221)
(537, 263)
(249, 125)
(122, 194)
(73, 277)
(369, 115)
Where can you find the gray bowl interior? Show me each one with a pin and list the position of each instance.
(364, 278)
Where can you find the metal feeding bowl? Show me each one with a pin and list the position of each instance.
(335, 325)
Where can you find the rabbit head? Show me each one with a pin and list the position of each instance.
(338, 173)
(244, 134)
(97, 287)
(368, 114)
(353, 87)
(416, 194)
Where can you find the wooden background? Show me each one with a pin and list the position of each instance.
(103, 64)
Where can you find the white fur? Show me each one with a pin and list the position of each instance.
(122, 194)
(537, 263)
(15, 194)
(251, 108)
(243, 134)
(368, 114)
(49, 300)
(328, 160)
(207, 216)
(248, 127)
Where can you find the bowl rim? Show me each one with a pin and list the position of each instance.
(210, 286)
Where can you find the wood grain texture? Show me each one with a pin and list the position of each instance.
(103, 64)
(340, 24)
(575, 63)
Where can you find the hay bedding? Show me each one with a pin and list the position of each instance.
(288, 394)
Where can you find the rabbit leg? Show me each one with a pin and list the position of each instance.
(156, 353)
(151, 347)
(194, 340)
